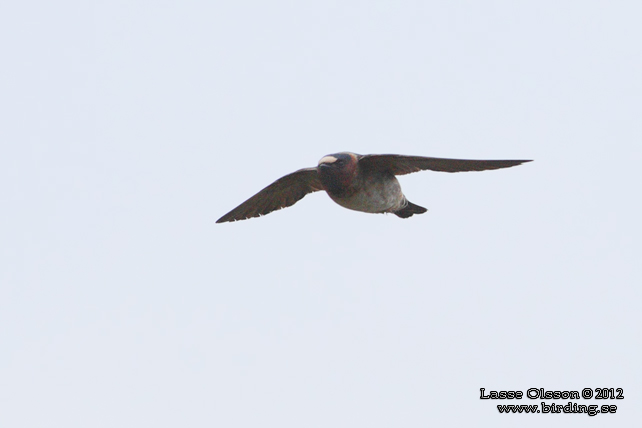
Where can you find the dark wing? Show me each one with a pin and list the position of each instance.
(284, 192)
(400, 165)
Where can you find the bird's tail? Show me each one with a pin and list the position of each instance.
(409, 210)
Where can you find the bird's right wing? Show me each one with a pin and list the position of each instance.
(284, 192)
(400, 164)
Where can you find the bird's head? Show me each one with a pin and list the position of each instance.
(338, 171)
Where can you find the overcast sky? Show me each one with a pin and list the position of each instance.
(129, 127)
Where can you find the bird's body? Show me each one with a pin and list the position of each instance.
(376, 193)
(366, 183)
(367, 191)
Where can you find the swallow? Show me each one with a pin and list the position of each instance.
(366, 183)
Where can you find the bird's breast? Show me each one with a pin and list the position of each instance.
(372, 194)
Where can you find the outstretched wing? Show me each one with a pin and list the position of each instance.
(284, 192)
(400, 165)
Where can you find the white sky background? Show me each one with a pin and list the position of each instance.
(129, 127)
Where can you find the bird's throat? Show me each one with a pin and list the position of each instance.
(337, 183)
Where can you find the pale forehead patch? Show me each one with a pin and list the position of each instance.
(327, 159)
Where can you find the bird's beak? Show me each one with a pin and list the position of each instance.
(327, 160)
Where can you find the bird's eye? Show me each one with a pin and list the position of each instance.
(339, 162)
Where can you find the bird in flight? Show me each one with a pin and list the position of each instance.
(365, 183)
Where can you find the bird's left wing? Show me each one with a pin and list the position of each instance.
(400, 164)
(284, 192)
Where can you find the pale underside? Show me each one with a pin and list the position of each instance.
(381, 195)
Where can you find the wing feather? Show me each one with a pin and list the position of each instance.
(400, 164)
(284, 192)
